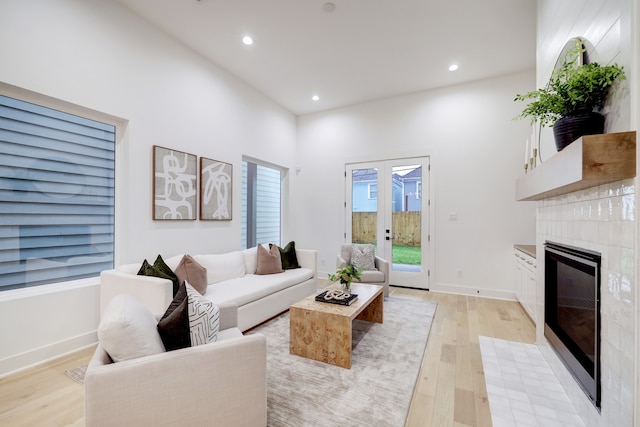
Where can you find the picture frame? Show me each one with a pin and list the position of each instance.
(174, 184)
(216, 190)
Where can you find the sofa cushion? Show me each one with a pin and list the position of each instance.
(191, 271)
(127, 330)
(363, 257)
(253, 287)
(250, 256)
(222, 266)
(371, 276)
(129, 268)
(159, 269)
(288, 256)
(173, 261)
(269, 261)
(173, 326)
(204, 318)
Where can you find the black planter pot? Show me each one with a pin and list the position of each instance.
(569, 128)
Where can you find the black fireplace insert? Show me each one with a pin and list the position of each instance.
(572, 312)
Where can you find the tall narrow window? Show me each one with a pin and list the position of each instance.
(261, 189)
(373, 191)
(56, 195)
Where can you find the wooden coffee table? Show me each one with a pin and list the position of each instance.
(322, 331)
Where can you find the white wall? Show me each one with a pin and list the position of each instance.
(98, 55)
(477, 152)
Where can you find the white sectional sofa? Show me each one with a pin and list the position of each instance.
(231, 280)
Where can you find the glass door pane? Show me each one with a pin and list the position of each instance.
(406, 217)
(364, 206)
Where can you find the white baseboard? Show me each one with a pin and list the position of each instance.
(465, 290)
(29, 359)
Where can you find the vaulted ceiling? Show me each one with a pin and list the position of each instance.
(351, 51)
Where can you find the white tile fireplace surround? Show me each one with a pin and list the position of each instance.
(600, 219)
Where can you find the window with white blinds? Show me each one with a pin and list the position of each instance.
(261, 189)
(56, 195)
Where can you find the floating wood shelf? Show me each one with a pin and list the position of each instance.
(589, 161)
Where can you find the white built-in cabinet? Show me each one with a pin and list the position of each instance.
(525, 276)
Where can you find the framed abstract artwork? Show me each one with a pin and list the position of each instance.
(215, 189)
(174, 184)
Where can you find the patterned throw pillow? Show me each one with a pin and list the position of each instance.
(363, 257)
(204, 318)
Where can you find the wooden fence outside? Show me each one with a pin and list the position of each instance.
(406, 227)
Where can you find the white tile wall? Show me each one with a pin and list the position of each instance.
(602, 219)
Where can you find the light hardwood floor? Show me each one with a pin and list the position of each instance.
(450, 390)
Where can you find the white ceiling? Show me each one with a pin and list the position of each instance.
(363, 50)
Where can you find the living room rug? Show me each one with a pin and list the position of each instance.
(377, 390)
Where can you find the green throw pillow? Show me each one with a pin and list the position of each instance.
(288, 256)
(160, 269)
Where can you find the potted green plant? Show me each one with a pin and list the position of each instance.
(573, 98)
(345, 274)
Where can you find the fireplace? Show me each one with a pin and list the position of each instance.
(572, 312)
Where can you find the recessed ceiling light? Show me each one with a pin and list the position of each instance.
(329, 7)
(247, 40)
(315, 98)
(453, 67)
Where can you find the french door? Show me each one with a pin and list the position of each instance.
(387, 204)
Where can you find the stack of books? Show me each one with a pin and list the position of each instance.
(336, 297)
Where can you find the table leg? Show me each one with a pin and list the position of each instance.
(373, 312)
(320, 336)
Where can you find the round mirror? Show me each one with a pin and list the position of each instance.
(570, 46)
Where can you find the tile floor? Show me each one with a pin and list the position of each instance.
(522, 389)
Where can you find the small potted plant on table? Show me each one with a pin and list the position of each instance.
(345, 275)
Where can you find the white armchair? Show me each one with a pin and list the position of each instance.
(217, 384)
(380, 276)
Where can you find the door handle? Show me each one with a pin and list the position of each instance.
(389, 238)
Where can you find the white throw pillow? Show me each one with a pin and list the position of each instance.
(250, 260)
(222, 266)
(174, 261)
(129, 268)
(204, 318)
(128, 330)
(363, 257)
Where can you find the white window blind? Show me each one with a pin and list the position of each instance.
(244, 238)
(268, 205)
(56, 195)
(261, 193)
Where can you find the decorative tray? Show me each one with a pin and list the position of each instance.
(336, 298)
